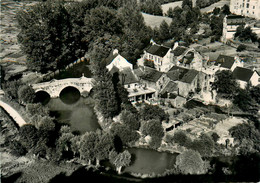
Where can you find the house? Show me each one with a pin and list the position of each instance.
(192, 59)
(250, 8)
(118, 61)
(245, 76)
(159, 55)
(130, 81)
(225, 62)
(151, 78)
(174, 100)
(230, 24)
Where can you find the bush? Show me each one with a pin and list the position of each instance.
(181, 138)
(130, 119)
(241, 47)
(152, 128)
(149, 112)
(16, 148)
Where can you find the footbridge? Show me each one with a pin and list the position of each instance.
(54, 87)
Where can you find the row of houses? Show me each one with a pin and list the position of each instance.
(178, 73)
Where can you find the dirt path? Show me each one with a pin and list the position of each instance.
(13, 113)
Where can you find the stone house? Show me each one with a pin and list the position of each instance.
(245, 76)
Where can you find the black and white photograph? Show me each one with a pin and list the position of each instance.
(122, 91)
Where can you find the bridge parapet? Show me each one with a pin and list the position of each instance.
(54, 87)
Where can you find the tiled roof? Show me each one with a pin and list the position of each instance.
(157, 50)
(189, 76)
(110, 58)
(138, 72)
(242, 74)
(151, 74)
(225, 61)
(179, 50)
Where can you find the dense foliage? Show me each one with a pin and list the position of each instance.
(225, 84)
(148, 112)
(245, 34)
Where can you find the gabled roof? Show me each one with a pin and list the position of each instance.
(110, 58)
(158, 50)
(151, 74)
(189, 76)
(242, 74)
(225, 61)
(127, 76)
(138, 72)
(169, 88)
(174, 70)
(179, 50)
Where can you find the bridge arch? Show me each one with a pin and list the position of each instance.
(69, 94)
(42, 96)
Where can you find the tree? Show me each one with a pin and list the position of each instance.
(187, 3)
(181, 138)
(130, 119)
(170, 13)
(204, 145)
(26, 94)
(104, 145)
(11, 88)
(45, 36)
(241, 47)
(245, 34)
(216, 25)
(190, 162)
(88, 146)
(164, 31)
(152, 7)
(124, 133)
(149, 112)
(28, 136)
(255, 93)
(153, 128)
(104, 93)
(120, 160)
(225, 84)
(225, 10)
(75, 145)
(244, 101)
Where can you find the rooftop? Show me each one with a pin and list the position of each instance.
(157, 50)
(225, 61)
(179, 50)
(242, 74)
(151, 74)
(189, 76)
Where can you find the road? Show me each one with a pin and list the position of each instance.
(13, 113)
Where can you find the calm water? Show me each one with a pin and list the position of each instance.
(79, 114)
(146, 161)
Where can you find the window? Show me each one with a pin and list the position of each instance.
(243, 5)
(247, 5)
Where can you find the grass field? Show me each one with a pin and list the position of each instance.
(217, 4)
(165, 7)
(155, 21)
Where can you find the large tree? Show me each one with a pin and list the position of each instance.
(190, 162)
(225, 84)
(45, 36)
(26, 94)
(120, 160)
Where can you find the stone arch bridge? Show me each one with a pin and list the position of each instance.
(54, 87)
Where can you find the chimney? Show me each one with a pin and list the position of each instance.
(115, 51)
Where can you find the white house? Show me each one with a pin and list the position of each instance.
(230, 24)
(250, 8)
(118, 61)
(245, 76)
(159, 55)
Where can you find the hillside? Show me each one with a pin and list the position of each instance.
(153, 21)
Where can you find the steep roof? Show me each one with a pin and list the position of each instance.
(179, 50)
(127, 76)
(189, 76)
(242, 74)
(225, 61)
(110, 58)
(158, 50)
(151, 74)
